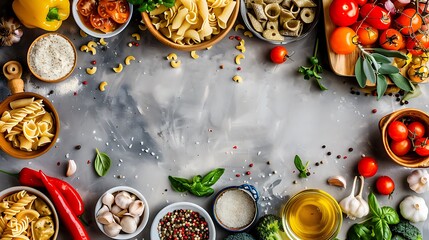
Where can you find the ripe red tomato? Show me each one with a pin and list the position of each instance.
(361, 2)
(421, 146)
(103, 24)
(344, 13)
(86, 7)
(418, 44)
(416, 130)
(409, 21)
(367, 167)
(385, 185)
(367, 35)
(397, 131)
(400, 148)
(278, 54)
(391, 39)
(343, 40)
(375, 16)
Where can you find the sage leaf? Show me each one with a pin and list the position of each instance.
(381, 85)
(390, 215)
(400, 81)
(368, 70)
(381, 58)
(359, 73)
(386, 69)
(390, 53)
(179, 184)
(413, 93)
(211, 178)
(102, 163)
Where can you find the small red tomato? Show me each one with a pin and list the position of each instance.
(343, 40)
(361, 2)
(375, 16)
(397, 131)
(421, 146)
(418, 44)
(367, 167)
(367, 35)
(391, 39)
(344, 13)
(409, 21)
(400, 148)
(278, 54)
(416, 130)
(385, 185)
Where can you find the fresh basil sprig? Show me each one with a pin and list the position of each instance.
(303, 171)
(198, 185)
(376, 66)
(102, 163)
(149, 5)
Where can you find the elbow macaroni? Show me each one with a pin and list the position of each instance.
(136, 36)
(119, 68)
(102, 86)
(129, 59)
(91, 70)
(238, 58)
(175, 63)
(172, 56)
(237, 79)
(194, 55)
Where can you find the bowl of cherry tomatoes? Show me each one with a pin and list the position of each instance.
(405, 136)
(102, 18)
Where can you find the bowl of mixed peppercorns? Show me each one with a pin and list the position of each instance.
(181, 219)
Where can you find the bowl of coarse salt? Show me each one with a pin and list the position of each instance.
(235, 208)
(51, 57)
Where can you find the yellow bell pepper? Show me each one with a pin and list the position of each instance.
(45, 14)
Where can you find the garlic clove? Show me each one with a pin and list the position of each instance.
(128, 224)
(112, 229)
(136, 208)
(123, 199)
(71, 169)
(103, 209)
(108, 200)
(115, 209)
(338, 181)
(105, 218)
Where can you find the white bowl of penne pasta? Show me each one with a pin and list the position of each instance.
(28, 214)
(280, 21)
(192, 25)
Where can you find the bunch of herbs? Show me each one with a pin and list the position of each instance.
(198, 185)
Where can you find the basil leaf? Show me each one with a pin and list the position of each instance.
(389, 53)
(360, 74)
(359, 232)
(387, 69)
(382, 230)
(298, 163)
(368, 70)
(381, 85)
(211, 178)
(374, 207)
(200, 190)
(102, 163)
(381, 58)
(179, 184)
(400, 81)
(390, 215)
(197, 178)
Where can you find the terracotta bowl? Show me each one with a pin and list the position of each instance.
(7, 146)
(44, 79)
(204, 44)
(411, 160)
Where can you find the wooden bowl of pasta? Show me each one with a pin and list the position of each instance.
(188, 30)
(34, 211)
(29, 125)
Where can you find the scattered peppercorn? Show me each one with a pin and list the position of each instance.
(251, 165)
(93, 62)
(248, 173)
(374, 110)
(85, 82)
(238, 175)
(295, 182)
(238, 38)
(238, 68)
(77, 147)
(221, 66)
(268, 163)
(338, 156)
(350, 149)
(183, 224)
(317, 164)
(323, 146)
(329, 153)
(58, 163)
(51, 92)
(231, 37)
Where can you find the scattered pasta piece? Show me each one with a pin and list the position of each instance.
(84, 48)
(238, 58)
(103, 42)
(91, 70)
(238, 27)
(172, 56)
(175, 64)
(102, 86)
(248, 34)
(136, 36)
(194, 55)
(129, 59)
(142, 27)
(82, 33)
(119, 68)
(91, 44)
(237, 79)
(241, 46)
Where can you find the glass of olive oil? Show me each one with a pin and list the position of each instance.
(312, 214)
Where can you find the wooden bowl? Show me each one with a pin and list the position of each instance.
(7, 146)
(204, 44)
(64, 77)
(411, 160)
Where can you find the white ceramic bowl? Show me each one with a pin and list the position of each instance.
(40, 195)
(143, 219)
(96, 33)
(182, 205)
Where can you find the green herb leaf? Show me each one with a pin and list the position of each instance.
(400, 81)
(382, 230)
(102, 163)
(360, 74)
(413, 93)
(390, 215)
(199, 190)
(387, 69)
(301, 168)
(359, 232)
(321, 86)
(368, 70)
(381, 85)
(197, 178)
(211, 178)
(381, 58)
(180, 184)
(374, 207)
(390, 53)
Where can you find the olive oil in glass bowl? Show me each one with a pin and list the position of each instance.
(312, 214)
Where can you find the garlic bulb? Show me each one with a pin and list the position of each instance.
(355, 206)
(418, 181)
(10, 31)
(414, 209)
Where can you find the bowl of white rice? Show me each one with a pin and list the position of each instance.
(51, 57)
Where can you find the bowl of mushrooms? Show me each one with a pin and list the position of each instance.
(121, 212)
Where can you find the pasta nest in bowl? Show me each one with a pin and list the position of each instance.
(192, 24)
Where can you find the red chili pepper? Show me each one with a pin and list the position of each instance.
(32, 178)
(72, 223)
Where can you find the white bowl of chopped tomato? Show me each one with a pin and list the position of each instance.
(102, 18)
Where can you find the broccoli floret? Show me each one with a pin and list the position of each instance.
(270, 228)
(240, 236)
(406, 230)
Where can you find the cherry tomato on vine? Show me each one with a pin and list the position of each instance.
(279, 54)
(391, 39)
(367, 167)
(367, 34)
(385, 185)
(375, 16)
(361, 2)
(400, 148)
(421, 146)
(344, 13)
(416, 130)
(343, 40)
(418, 73)
(397, 131)
(409, 21)
(418, 44)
